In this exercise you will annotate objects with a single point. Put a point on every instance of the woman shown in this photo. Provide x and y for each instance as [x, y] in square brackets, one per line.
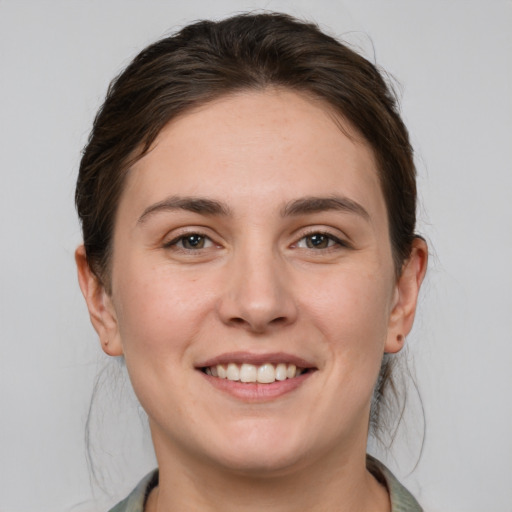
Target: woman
[247, 199]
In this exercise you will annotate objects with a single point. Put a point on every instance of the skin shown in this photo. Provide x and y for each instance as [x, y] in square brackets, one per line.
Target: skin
[258, 286]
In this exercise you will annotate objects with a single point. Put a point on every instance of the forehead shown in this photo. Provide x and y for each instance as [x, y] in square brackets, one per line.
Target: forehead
[270, 146]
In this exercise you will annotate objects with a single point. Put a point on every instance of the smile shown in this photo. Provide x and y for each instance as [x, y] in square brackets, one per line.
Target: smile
[266, 373]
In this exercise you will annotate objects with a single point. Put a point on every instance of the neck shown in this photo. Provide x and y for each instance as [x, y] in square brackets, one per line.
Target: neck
[336, 482]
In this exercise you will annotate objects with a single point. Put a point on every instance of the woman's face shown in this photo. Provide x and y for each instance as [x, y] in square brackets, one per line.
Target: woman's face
[253, 240]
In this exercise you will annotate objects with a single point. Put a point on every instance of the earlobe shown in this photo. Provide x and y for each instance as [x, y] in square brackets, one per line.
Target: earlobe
[406, 296]
[394, 345]
[99, 304]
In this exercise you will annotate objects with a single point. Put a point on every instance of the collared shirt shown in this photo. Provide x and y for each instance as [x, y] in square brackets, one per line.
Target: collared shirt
[401, 499]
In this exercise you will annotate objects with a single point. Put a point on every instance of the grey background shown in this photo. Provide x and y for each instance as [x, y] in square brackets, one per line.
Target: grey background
[453, 59]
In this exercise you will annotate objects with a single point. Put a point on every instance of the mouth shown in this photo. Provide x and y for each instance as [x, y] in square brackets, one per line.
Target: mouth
[266, 373]
[257, 377]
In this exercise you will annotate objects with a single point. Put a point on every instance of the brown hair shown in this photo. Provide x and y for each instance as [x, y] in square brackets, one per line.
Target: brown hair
[207, 60]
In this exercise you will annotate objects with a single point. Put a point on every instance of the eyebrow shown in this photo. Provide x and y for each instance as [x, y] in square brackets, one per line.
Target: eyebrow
[313, 204]
[302, 206]
[199, 205]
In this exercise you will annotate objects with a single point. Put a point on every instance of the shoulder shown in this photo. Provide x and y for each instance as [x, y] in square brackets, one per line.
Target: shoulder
[401, 499]
[137, 498]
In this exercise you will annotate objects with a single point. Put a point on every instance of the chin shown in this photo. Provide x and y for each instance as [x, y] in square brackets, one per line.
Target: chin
[260, 449]
[262, 462]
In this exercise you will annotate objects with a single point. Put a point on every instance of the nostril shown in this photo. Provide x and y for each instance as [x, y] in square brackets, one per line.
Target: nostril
[279, 320]
[257, 326]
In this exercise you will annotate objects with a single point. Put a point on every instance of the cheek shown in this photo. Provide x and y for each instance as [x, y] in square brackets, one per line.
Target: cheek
[351, 308]
[159, 312]
[159, 317]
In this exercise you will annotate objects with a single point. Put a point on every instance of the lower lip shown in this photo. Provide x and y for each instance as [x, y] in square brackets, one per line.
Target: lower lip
[256, 392]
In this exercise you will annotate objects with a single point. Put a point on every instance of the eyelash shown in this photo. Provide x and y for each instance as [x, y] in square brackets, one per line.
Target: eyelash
[181, 238]
[333, 241]
[338, 243]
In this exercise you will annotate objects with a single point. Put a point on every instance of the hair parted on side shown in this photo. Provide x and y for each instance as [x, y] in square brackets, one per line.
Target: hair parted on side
[207, 60]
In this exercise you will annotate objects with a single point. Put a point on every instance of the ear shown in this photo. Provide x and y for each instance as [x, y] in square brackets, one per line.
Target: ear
[405, 299]
[99, 304]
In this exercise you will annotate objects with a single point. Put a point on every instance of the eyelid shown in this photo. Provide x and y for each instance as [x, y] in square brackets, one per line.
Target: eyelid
[188, 231]
[181, 240]
[340, 241]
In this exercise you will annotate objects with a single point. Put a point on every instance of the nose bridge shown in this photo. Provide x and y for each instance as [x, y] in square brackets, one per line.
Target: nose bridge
[258, 293]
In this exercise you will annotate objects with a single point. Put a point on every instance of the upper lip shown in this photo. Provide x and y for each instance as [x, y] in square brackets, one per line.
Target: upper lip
[256, 359]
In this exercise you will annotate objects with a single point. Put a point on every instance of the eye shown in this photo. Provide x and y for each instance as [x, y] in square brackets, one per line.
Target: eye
[191, 242]
[319, 241]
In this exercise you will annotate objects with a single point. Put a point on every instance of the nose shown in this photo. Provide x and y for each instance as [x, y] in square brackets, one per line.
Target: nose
[257, 292]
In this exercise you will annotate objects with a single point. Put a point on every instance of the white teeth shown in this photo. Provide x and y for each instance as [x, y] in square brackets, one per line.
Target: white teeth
[263, 374]
[291, 370]
[221, 372]
[281, 371]
[248, 373]
[266, 373]
[233, 373]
